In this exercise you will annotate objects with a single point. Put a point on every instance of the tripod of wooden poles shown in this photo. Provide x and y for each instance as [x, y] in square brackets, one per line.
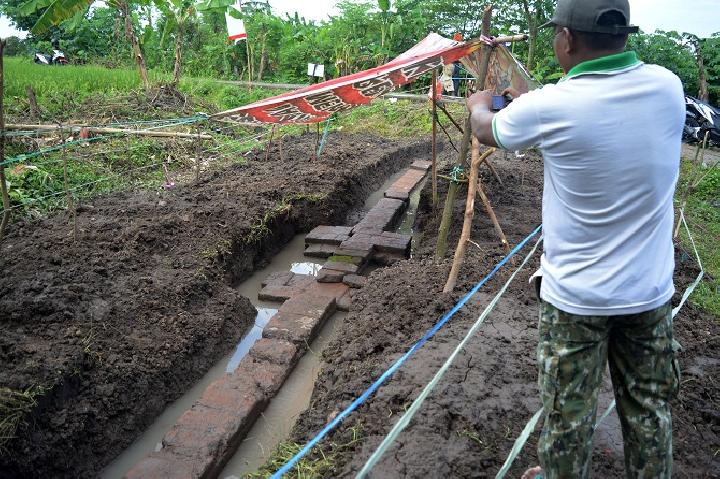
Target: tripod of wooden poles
[474, 182]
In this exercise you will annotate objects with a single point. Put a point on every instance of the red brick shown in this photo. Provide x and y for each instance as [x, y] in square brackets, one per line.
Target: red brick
[320, 250]
[421, 165]
[290, 327]
[309, 305]
[341, 266]
[327, 290]
[330, 276]
[328, 234]
[275, 351]
[226, 394]
[265, 376]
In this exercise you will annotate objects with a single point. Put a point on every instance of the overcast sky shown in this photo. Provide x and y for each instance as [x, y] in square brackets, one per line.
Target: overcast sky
[702, 18]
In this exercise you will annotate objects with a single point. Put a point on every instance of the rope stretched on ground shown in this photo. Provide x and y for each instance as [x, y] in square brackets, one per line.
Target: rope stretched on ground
[418, 402]
[530, 426]
[374, 386]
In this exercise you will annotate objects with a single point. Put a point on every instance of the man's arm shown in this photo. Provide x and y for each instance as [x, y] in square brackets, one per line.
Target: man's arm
[481, 116]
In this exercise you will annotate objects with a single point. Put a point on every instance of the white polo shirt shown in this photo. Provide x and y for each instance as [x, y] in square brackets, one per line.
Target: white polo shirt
[610, 135]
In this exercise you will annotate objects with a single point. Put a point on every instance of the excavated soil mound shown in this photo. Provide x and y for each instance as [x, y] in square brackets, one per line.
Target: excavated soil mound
[108, 329]
[470, 421]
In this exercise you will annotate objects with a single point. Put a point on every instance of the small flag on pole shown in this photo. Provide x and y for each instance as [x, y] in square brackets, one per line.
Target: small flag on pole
[235, 26]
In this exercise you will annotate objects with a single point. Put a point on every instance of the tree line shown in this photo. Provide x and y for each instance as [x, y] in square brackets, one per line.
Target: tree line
[189, 36]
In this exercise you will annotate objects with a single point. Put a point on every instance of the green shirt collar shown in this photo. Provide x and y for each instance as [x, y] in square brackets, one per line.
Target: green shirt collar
[606, 65]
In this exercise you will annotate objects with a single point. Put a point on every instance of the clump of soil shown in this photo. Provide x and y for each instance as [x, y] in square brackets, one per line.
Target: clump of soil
[122, 321]
[468, 424]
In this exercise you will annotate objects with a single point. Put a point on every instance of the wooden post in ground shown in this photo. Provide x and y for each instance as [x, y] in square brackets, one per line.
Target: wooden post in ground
[469, 212]
[444, 231]
[66, 184]
[493, 218]
[197, 155]
[434, 139]
[3, 181]
[34, 108]
[267, 149]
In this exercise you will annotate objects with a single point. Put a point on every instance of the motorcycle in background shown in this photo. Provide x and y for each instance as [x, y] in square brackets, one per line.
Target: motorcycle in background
[57, 58]
[701, 119]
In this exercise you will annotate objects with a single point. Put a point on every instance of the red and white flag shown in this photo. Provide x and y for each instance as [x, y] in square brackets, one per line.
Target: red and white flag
[235, 26]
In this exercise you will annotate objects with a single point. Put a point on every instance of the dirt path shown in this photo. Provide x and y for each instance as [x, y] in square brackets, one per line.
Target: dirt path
[469, 423]
[114, 326]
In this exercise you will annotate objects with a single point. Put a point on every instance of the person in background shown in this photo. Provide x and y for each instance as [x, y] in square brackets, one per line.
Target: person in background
[607, 268]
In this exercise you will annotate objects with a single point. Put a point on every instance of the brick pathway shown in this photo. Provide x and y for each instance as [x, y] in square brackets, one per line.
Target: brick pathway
[204, 437]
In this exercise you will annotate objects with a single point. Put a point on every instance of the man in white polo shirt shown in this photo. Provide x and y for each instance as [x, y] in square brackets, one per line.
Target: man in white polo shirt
[610, 135]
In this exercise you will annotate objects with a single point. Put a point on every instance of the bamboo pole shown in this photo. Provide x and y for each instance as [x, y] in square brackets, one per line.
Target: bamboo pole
[493, 218]
[444, 230]
[512, 38]
[469, 213]
[73, 129]
[447, 113]
[3, 181]
[492, 169]
[434, 140]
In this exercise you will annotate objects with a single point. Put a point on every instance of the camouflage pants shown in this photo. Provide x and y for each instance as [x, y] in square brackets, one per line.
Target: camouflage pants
[572, 355]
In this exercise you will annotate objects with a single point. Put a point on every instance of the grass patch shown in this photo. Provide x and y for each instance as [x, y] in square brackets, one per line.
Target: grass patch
[319, 463]
[344, 259]
[14, 405]
[702, 212]
[261, 229]
[401, 119]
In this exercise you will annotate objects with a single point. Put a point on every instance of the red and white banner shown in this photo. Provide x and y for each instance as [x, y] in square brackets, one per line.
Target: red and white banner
[235, 26]
[318, 102]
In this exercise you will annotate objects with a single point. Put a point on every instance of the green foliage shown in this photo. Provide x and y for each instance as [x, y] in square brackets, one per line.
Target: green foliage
[321, 462]
[702, 213]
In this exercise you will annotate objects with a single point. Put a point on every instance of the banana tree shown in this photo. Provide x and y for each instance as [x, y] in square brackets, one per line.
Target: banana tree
[55, 12]
[177, 14]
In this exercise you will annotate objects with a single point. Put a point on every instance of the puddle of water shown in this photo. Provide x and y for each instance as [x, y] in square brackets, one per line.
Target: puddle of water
[376, 196]
[290, 258]
[311, 269]
[261, 320]
[407, 225]
[275, 424]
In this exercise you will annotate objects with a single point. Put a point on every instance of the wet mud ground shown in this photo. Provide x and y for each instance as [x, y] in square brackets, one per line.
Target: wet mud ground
[112, 327]
[469, 423]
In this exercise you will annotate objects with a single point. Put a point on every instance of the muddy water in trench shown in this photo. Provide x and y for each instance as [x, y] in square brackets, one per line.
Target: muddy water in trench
[290, 258]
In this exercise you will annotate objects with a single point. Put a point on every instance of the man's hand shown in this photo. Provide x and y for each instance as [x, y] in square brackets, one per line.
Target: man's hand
[512, 92]
[481, 99]
[480, 107]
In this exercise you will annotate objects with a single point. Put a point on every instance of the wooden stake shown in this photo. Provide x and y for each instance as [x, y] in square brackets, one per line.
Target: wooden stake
[493, 218]
[267, 149]
[434, 139]
[197, 156]
[34, 109]
[447, 113]
[494, 172]
[444, 230]
[3, 181]
[66, 184]
[469, 212]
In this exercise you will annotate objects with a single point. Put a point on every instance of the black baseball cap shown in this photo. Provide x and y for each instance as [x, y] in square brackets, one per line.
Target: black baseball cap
[583, 16]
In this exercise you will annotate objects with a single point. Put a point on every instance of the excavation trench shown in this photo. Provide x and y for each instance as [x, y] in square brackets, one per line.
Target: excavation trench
[278, 418]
